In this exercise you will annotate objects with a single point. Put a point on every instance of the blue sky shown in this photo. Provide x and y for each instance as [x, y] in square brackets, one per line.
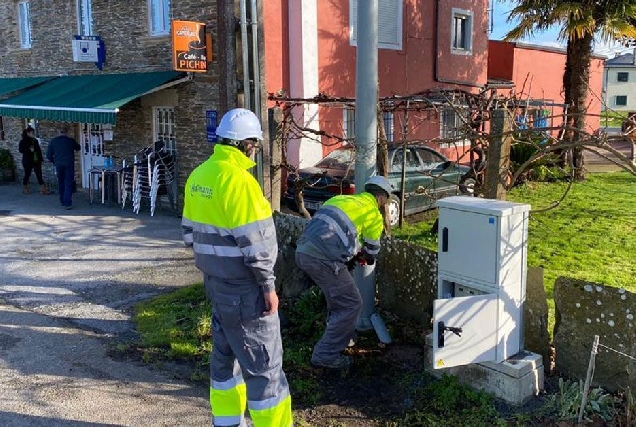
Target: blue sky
[545, 38]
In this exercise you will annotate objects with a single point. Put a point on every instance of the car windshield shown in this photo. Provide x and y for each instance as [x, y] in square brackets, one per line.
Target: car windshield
[339, 158]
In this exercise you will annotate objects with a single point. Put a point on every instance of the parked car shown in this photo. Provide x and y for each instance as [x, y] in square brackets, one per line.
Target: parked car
[429, 176]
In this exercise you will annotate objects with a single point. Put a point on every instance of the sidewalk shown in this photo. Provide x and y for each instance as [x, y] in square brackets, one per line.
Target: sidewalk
[68, 281]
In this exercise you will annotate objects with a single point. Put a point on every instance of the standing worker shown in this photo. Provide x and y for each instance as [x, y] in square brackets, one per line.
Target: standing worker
[61, 152]
[345, 229]
[31, 160]
[229, 223]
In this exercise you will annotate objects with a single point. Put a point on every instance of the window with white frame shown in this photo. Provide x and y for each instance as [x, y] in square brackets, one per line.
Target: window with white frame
[159, 19]
[622, 76]
[24, 22]
[164, 128]
[621, 100]
[349, 124]
[84, 17]
[389, 23]
[462, 31]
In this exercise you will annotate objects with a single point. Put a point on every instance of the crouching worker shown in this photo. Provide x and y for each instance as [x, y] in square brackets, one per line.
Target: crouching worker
[344, 228]
[229, 223]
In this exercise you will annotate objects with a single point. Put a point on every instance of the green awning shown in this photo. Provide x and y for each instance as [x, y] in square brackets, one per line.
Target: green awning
[94, 98]
[13, 84]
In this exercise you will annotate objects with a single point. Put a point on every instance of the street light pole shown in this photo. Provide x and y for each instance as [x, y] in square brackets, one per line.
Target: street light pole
[366, 134]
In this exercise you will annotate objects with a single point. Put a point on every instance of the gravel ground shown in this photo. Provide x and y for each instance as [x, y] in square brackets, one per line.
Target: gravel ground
[68, 281]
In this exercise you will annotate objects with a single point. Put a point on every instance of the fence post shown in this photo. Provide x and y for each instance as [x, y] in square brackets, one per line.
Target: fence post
[498, 157]
[588, 379]
[275, 151]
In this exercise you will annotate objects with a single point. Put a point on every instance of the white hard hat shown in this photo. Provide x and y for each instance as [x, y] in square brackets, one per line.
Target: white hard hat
[239, 124]
[381, 182]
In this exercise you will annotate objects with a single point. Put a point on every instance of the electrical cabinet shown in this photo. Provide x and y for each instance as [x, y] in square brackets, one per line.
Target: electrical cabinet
[482, 257]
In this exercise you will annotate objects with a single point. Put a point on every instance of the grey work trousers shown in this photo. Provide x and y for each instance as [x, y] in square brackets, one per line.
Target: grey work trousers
[245, 342]
[343, 302]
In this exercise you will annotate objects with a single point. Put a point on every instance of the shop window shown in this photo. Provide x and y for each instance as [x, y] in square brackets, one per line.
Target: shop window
[621, 100]
[462, 31]
[24, 22]
[389, 23]
[164, 128]
[159, 19]
[84, 17]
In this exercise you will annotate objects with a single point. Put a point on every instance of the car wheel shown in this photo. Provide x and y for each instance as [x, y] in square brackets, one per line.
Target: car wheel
[394, 210]
[467, 186]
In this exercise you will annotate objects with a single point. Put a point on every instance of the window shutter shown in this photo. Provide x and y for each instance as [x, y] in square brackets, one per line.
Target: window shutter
[389, 23]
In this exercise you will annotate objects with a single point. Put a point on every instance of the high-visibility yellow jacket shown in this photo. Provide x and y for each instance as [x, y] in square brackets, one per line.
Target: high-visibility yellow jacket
[342, 227]
[228, 221]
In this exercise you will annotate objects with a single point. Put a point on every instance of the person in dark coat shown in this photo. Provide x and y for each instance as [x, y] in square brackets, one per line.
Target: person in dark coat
[61, 152]
[31, 160]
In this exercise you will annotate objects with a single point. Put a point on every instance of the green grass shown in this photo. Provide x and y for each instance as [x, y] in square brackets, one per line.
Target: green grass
[176, 326]
[613, 118]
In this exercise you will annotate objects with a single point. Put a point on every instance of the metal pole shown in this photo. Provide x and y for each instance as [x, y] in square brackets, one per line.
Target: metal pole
[588, 379]
[366, 135]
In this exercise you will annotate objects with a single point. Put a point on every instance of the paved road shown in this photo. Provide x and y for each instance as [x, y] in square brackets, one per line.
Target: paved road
[68, 280]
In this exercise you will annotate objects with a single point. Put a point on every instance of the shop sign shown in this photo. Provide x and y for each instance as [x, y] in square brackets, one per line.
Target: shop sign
[190, 49]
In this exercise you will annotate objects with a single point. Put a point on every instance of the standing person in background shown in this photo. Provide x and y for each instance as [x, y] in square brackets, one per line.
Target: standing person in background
[228, 222]
[345, 229]
[31, 160]
[61, 152]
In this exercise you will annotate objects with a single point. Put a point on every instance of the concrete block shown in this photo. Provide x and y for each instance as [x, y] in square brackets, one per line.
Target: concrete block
[516, 380]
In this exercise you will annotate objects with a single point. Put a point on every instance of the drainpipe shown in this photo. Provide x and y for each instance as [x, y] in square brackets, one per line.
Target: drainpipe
[436, 60]
[245, 53]
[257, 86]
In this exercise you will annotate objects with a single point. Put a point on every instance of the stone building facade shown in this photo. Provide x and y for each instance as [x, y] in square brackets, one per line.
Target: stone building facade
[126, 28]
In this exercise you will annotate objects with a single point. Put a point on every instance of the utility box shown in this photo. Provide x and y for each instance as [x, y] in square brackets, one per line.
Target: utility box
[482, 257]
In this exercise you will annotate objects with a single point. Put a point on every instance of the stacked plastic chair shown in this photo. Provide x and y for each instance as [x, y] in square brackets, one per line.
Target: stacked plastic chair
[152, 176]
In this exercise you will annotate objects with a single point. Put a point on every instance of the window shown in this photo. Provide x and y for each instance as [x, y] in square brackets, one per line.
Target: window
[462, 31]
[621, 100]
[389, 23]
[24, 22]
[164, 127]
[622, 76]
[451, 126]
[412, 164]
[349, 124]
[430, 159]
[84, 17]
[159, 17]
[2, 136]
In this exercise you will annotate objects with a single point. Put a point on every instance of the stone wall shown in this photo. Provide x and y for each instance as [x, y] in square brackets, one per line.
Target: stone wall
[585, 309]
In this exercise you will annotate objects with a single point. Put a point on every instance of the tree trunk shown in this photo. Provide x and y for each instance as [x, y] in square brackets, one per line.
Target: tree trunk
[575, 83]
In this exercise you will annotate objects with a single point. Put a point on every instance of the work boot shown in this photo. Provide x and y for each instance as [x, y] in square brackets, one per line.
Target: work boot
[339, 362]
[44, 191]
[25, 189]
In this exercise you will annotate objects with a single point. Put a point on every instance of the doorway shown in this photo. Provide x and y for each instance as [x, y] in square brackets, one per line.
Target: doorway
[92, 147]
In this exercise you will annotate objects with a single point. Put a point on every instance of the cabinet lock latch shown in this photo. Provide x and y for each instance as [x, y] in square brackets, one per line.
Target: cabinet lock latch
[441, 328]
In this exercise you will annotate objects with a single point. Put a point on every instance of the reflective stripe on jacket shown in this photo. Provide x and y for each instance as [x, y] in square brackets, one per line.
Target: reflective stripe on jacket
[228, 221]
[341, 227]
